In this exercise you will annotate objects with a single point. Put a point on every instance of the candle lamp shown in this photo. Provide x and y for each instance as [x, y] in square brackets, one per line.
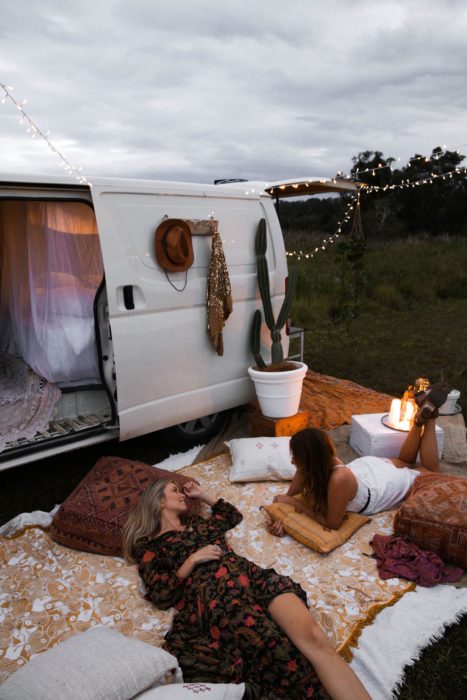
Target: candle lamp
[402, 411]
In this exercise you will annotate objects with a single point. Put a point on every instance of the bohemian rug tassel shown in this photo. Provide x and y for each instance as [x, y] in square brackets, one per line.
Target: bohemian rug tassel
[219, 296]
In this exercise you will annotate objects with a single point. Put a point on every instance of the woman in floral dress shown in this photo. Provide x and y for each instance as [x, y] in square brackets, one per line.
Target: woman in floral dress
[236, 622]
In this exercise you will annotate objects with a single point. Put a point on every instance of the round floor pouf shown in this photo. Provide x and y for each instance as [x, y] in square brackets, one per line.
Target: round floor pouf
[434, 516]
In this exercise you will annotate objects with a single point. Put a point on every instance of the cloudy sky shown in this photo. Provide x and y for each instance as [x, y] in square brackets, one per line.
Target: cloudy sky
[202, 89]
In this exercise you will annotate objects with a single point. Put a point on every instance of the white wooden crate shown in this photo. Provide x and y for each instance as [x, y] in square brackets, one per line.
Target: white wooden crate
[368, 436]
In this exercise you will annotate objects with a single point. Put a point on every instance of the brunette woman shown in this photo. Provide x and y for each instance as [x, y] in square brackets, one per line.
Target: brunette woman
[235, 621]
[327, 487]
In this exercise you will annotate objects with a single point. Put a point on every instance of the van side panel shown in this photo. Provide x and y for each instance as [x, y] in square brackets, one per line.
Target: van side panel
[167, 369]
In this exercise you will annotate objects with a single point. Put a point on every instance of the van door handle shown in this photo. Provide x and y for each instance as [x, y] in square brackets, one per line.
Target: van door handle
[128, 296]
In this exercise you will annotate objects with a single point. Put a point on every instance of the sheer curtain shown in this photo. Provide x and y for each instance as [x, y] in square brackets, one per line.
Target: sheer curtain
[51, 266]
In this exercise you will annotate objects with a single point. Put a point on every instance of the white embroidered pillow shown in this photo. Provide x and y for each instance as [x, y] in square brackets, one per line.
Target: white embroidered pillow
[261, 459]
[98, 663]
[214, 691]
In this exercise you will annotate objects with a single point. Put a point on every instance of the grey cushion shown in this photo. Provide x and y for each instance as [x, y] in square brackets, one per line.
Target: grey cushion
[99, 664]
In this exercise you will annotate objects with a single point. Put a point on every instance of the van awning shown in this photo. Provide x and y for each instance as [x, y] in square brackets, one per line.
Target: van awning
[309, 185]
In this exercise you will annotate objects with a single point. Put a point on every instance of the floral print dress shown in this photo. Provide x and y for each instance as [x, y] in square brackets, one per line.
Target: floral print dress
[223, 632]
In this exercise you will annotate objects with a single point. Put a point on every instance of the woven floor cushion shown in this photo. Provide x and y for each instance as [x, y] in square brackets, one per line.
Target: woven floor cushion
[434, 516]
[92, 517]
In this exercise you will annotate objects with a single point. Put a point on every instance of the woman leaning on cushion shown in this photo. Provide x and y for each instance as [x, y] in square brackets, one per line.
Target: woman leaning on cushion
[235, 622]
[328, 488]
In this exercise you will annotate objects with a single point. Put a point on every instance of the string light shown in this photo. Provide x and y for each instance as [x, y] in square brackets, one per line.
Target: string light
[426, 159]
[33, 130]
[414, 183]
[326, 242]
[368, 189]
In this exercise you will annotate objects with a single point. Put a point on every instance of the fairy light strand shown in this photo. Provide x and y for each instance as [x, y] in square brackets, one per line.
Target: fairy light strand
[369, 189]
[426, 159]
[415, 183]
[329, 240]
[33, 130]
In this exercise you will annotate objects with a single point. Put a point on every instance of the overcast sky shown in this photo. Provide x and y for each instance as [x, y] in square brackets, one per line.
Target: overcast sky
[203, 89]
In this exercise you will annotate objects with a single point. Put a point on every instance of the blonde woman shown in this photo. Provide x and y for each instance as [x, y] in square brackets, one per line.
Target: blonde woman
[235, 621]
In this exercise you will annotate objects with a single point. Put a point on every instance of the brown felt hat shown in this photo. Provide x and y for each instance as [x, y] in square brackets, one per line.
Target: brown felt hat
[174, 248]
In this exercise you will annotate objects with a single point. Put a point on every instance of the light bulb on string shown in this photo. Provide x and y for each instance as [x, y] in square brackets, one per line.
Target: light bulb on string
[34, 130]
[375, 188]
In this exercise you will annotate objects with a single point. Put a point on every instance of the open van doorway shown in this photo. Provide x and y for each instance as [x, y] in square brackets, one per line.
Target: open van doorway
[50, 378]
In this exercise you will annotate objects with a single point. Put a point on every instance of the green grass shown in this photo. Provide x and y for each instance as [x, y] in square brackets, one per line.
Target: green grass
[409, 317]
[441, 672]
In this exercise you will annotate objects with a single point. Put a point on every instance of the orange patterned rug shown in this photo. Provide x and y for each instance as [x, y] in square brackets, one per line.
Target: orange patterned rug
[331, 401]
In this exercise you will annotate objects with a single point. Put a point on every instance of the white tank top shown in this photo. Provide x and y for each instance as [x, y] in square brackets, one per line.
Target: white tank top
[380, 484]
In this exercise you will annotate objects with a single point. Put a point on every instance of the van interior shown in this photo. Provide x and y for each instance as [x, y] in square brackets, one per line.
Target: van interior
[51, 275]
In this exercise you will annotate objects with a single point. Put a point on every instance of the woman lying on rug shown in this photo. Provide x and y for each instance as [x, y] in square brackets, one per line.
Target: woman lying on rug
[236, 622]
[368, 485]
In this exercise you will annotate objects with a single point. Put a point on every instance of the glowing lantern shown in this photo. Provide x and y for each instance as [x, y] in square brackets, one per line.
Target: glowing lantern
[403, 411]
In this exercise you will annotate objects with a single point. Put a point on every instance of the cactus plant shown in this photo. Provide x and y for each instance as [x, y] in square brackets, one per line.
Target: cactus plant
[275, 326]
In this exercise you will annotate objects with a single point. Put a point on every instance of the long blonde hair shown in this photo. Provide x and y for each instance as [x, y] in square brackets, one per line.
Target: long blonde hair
[144, 519]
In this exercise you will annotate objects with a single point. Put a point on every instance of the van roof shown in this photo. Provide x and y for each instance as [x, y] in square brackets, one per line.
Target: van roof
[166, 186]
[294, 187]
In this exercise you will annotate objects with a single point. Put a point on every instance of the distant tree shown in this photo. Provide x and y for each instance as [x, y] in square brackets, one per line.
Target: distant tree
[437, 208]
[312, 215]
[387, 211]
[380, 168]
[434, 209]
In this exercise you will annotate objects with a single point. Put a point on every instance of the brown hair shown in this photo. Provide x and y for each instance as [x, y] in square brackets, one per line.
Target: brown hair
[144, 519]
[314, 455]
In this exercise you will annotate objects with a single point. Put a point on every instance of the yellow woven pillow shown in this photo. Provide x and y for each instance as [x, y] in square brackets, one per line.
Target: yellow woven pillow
[309, 532]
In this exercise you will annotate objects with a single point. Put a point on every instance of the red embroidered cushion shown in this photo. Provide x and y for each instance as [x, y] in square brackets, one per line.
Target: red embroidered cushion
[434, 516]
[92, 517]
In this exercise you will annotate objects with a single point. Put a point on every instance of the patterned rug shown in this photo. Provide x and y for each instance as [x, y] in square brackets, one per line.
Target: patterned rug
[48, 592]
[27, 401]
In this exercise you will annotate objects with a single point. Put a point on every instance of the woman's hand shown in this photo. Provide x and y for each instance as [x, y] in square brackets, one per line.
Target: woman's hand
[193, 490]
[275, 527]
[211, 552]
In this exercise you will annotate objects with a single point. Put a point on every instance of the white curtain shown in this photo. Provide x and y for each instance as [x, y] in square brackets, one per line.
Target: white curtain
[51, 266]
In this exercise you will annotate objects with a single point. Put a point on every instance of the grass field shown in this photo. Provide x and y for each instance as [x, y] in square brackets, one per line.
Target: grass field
[406, 316]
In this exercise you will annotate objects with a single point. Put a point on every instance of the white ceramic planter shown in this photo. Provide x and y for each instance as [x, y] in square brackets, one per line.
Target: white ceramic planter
[279, 392]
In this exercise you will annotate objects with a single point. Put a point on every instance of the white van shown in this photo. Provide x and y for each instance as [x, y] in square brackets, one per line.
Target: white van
[97, 341]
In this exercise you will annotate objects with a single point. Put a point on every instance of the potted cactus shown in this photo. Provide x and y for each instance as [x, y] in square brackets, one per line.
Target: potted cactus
[278, 385]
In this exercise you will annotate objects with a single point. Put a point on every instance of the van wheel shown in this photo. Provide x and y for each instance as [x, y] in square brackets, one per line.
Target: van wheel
[197, 431]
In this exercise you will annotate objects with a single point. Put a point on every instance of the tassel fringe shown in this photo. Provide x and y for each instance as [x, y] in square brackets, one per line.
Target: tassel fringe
[344, 649]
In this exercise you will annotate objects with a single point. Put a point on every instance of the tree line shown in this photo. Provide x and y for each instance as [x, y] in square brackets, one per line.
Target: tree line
[435, 209]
